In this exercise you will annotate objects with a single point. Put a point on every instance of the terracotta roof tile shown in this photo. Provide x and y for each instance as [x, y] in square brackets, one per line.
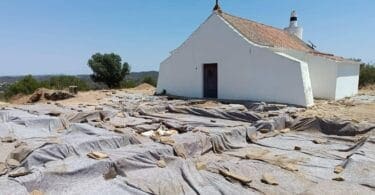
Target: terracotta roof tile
[266, 35]
[272, 37]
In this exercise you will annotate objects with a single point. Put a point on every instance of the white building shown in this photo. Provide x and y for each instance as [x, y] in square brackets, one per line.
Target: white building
[232, 58]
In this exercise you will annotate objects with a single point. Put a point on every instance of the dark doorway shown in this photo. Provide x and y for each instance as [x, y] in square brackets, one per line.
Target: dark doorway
[210, 80]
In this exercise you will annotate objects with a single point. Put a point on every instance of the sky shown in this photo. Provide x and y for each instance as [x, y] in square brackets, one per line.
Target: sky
[59, 36]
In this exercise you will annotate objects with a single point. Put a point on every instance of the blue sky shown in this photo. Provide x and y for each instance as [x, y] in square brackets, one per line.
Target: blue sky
[59, 36]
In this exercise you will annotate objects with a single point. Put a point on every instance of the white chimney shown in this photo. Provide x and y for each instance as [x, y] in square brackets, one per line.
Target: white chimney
[293, 26]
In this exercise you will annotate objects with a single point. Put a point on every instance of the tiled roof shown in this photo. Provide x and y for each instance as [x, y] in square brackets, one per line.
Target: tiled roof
[272, 37]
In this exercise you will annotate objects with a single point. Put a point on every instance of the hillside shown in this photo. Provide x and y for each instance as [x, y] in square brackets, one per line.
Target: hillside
[136, 76]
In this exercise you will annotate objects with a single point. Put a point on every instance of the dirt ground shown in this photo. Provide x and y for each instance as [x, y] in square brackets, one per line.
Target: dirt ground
[89, 97]
[357, 109]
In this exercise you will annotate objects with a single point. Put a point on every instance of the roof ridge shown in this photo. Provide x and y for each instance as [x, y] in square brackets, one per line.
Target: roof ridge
[252, 21]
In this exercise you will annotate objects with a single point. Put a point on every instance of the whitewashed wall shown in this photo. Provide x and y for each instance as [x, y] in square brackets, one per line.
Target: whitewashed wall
[245, 71]
[347, 80]
[329, 79]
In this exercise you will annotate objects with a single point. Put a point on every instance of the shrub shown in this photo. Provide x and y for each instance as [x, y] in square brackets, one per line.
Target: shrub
[128, 83]
[62, 82]
[108, 69]
[149, 80]
[367, 75]
[27, 85]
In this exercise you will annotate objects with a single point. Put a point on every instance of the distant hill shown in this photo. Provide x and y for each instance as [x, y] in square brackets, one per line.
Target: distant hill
[136, 76]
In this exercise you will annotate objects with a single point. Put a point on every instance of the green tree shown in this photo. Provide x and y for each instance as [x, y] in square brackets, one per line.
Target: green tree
[27, 85]
[367, 75]
[108, 69]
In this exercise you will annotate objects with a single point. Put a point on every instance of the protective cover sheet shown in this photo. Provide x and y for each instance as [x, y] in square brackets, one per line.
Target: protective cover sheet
[141, 144]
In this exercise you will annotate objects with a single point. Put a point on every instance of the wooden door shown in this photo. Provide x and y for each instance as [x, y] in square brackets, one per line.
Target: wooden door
[210, 80]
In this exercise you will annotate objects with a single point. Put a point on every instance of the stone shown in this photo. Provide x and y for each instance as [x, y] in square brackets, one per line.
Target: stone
[240, 178]
[57, 95]
[200, 166]
[12, 163]
[99, 108]
[97, 155]
[319, 141]
[21, 152]
[8, 139]
[338, 169]
[339, 178]
[111, 174]
[22, 171]
[180, 150]
[36, 192]
[290, 167]
[297, 148]
[167, 140]
[161, 163]
[269, 179]
[148, 133]
[54, 113]
[287, 130]
[3, 169]
[264, 131]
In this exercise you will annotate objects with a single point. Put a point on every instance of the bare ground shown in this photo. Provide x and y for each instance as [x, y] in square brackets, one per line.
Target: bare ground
[357, 109]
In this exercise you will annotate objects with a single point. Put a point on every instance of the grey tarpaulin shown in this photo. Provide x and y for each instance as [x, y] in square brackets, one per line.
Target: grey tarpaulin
[157, 146]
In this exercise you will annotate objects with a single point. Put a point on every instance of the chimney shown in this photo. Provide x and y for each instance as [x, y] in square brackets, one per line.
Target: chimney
[293, 26]
[217, 7]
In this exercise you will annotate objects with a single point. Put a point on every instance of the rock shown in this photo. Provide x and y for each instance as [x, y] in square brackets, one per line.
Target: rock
[36, 96]
[119, 131]
[12, 163]
[319, 141]
[57, 95]
[3, 169]
[97, 155]
[8, 139]
[20, 152]
[339, 178]
[297, 148]
[290, 167]
[99, 108]
[165, 132]
[287, 130]
[269, 179]
[200, 166]
[234, 176]
[36, 192]
[338, 169]
[54, 113]
[264, 131]
[161, 163]
[148, 133]
[167, 140]
[180, 150]
[22, 171]
[47, 94]
[120, 126]
[111, 174]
